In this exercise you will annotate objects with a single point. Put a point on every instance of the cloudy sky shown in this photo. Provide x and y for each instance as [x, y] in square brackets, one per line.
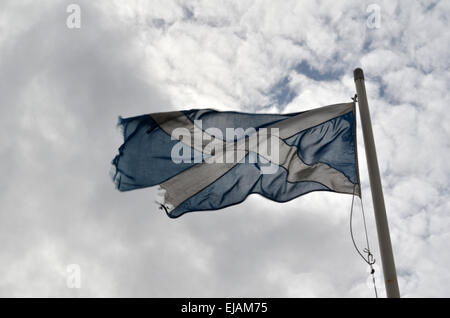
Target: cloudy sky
[63, 88]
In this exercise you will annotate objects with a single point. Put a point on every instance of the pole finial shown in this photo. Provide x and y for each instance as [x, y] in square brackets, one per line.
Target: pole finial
[358, 74]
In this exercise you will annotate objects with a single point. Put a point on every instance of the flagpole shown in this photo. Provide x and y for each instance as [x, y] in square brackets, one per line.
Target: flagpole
[384, 239]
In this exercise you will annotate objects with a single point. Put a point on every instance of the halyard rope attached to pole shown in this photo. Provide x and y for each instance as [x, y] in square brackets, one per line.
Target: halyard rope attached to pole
[370, 260]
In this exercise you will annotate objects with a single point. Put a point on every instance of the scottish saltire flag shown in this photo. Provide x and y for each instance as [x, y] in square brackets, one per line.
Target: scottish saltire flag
[205, 159]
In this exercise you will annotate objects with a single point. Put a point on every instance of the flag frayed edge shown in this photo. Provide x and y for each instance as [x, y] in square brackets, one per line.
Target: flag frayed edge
[114, 172]
[121, 124]
[164, 204]
[116, 175]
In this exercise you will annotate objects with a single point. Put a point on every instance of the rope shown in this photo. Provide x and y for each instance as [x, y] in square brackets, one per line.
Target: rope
[370, 260]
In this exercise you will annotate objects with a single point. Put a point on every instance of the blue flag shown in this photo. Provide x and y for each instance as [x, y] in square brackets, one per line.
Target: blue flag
[204, 159]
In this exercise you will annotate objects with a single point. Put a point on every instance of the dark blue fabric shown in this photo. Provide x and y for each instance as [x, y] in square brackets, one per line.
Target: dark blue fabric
[145, 158]
[332, 142]
[241, 181]
[223, 120]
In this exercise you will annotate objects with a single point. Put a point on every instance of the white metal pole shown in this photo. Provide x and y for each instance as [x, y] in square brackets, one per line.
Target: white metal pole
[384, 239]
